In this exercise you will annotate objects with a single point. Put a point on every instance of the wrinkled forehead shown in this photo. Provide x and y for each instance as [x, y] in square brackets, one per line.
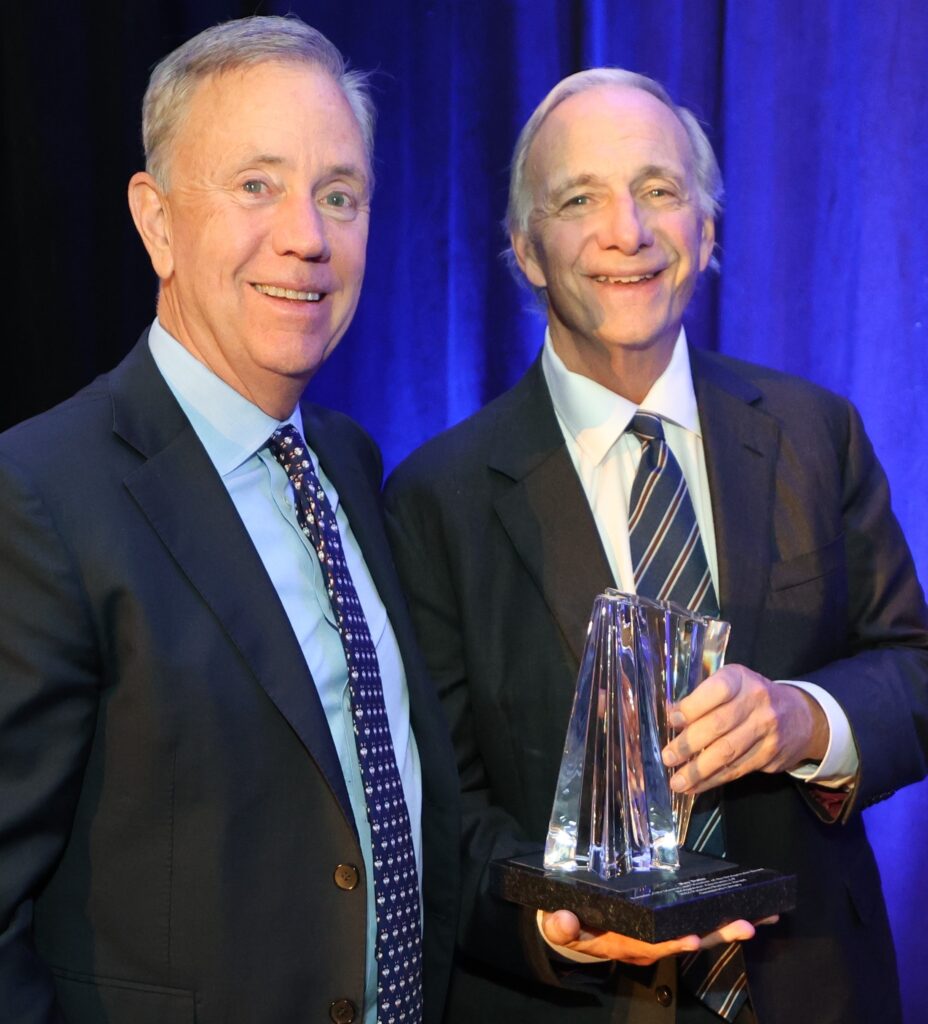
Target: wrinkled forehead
[608, 126]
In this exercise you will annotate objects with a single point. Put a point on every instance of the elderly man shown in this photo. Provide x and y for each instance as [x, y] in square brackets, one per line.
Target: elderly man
[508, 525]
[224, 782]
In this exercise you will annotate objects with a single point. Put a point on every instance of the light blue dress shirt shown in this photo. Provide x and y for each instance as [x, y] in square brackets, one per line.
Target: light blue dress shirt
[234, 433]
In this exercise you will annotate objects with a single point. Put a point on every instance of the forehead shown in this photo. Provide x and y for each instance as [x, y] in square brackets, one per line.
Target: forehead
[606, 130]
[283, 109]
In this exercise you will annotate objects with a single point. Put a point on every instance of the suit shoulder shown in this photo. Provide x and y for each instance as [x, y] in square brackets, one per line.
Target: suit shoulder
[782, 394]
[71, 423]
[462, 448]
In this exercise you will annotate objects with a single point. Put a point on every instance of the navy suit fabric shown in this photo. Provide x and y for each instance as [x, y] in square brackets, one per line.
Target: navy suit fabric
[172, 809]
[501, 558]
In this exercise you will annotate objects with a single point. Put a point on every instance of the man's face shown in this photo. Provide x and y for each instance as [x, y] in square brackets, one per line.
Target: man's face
[615, 237]
[266, 220]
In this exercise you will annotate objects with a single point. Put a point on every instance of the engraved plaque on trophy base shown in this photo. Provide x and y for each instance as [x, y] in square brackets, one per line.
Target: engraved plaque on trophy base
[696, 898]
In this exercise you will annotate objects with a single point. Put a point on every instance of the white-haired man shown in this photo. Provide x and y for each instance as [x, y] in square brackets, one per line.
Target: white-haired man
[224, 781]
[625, 458]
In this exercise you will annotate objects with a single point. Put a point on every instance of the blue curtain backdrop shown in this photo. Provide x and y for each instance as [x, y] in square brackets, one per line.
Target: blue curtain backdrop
[818, 110]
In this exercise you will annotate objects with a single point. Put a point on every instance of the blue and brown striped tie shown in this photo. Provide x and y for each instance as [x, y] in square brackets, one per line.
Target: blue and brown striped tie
[669, 564]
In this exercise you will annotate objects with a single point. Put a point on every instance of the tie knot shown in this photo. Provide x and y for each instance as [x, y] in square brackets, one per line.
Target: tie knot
[288, 447]
[647, 427]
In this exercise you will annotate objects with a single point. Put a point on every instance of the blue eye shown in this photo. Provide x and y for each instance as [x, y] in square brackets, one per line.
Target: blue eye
[253, 187]
[341, 200]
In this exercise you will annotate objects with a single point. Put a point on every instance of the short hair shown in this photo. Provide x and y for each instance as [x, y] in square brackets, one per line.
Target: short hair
[709, 189]
[245, 42]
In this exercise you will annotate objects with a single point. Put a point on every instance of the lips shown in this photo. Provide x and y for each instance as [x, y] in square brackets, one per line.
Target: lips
[276, 292]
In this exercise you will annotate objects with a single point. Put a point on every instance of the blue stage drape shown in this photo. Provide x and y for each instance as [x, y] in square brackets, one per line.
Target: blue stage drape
[818, 110]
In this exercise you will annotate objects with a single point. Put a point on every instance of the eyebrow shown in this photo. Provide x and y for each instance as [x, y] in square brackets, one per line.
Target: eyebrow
[336, 171]
[577, 181]
[677, 174]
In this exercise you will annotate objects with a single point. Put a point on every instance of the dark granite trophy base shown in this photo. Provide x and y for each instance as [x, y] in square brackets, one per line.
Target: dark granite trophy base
[702, 894]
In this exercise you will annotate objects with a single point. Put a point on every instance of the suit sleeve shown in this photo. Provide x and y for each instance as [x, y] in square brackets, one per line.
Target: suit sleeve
[491, 930]
[48, 698]
[882, 684]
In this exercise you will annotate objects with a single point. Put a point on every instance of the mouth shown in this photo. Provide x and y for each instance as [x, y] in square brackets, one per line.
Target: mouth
[629, 279]
[288, 293]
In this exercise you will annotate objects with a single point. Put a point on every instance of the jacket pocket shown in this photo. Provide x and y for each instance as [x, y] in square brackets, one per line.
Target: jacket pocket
[812, 565]
[88, 998]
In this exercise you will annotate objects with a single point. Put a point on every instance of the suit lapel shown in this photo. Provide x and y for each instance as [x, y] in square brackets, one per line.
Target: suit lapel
[544, 510]
[184, 500]
[740, 441]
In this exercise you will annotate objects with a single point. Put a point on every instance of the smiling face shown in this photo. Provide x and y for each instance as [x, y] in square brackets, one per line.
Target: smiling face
[615, 236]
[259, 240]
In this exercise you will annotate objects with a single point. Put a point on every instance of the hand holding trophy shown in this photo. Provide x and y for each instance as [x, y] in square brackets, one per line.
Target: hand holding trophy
[614, 852]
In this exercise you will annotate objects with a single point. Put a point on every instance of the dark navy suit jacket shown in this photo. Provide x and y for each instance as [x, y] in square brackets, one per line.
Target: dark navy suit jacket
[501, 558]
[172, 810]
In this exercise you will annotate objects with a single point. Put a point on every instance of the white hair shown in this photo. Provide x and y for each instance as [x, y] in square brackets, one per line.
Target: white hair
[237, 44]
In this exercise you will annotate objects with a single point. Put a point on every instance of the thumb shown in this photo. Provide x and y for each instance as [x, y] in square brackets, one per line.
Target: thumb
[561, 927]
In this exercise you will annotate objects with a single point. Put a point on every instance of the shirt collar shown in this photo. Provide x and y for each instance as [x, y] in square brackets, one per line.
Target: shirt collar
[596, 417]
[230, 428]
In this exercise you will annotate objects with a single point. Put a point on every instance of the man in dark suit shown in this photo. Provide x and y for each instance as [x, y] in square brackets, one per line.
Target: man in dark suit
[508, 525]
[224, 782]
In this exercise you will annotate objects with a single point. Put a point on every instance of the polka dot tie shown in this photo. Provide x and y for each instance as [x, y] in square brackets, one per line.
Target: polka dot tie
[396, 882]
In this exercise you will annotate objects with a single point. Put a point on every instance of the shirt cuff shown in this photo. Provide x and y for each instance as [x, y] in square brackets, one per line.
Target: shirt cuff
[841, 764]
[565, 951]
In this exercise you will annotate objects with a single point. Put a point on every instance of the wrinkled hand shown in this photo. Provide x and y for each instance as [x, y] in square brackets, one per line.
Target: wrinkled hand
[563, 928]
[736, 722]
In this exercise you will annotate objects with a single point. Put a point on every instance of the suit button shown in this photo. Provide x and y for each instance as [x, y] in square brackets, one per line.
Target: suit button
[342, 1011]
[346, 876]
[664, 995]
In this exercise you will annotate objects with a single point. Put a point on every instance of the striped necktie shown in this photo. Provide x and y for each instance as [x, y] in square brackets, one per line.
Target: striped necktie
[396, 883]
[669, 564]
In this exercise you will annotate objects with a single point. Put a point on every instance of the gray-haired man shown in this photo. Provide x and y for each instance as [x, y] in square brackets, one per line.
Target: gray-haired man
[506, 527]
[224, 781]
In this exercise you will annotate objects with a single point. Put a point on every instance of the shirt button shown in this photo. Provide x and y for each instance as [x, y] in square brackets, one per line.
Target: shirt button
[342, 1011]
[664, 995]
[347, 877]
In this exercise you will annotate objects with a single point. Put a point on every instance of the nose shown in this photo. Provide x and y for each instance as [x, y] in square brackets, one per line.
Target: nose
[301, 230]
[626, 227]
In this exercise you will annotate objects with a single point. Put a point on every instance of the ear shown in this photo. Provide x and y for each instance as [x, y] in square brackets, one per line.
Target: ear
[152, 221]
[527, 258]
[707, 243]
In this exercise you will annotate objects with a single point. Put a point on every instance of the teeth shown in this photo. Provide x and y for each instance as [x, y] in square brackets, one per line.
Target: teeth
[288, 293]
[602, 279]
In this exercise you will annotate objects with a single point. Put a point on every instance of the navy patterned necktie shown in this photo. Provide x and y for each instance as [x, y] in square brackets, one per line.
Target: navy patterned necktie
[396, 883]
[669, 564]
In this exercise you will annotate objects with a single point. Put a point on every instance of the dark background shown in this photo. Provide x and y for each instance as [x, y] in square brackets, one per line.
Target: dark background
[818, 110]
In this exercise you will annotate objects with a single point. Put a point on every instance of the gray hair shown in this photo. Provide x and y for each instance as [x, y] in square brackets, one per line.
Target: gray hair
[237, 44]
[709, 188]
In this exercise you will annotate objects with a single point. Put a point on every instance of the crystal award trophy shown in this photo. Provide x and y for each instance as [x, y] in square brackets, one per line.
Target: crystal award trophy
[614, 851]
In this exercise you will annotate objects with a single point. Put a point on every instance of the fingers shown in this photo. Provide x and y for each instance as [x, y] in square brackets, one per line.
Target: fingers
[563, 928]
[612, 946]
[734, 931]
[738, 722]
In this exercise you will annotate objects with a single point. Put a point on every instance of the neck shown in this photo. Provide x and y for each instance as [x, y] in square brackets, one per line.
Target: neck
[627, 370]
